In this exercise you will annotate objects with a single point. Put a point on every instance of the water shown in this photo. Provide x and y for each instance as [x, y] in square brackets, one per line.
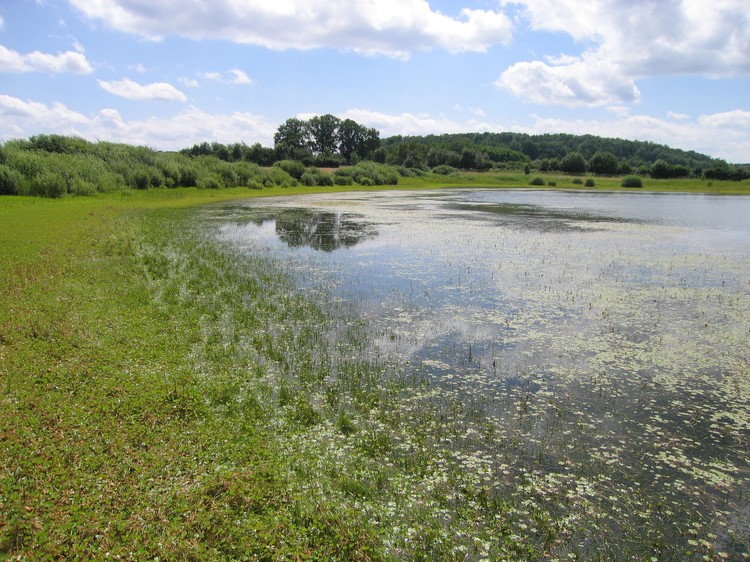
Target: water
[601, 330]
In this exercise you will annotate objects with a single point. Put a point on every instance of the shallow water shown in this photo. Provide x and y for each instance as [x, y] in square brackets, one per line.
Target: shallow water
[626, 313]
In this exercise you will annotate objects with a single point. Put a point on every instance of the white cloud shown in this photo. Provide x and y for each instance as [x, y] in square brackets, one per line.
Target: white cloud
[405, 123]
[128, 89]
[240, 77]
[188, 82]
[722, 135]
[677, 116]
[22, 119]
[69, 62]
[623, 41]
[234, 76]
[394, 28]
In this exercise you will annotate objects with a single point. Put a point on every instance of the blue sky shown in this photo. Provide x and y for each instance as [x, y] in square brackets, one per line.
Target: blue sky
[171, 73]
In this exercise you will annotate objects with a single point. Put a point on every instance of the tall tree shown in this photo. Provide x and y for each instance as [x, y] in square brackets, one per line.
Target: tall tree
[291, 139]
[323, 134]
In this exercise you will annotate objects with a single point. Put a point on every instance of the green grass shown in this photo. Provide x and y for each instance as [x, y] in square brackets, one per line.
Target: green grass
[144, 413]
[113, 438]
[518, 179]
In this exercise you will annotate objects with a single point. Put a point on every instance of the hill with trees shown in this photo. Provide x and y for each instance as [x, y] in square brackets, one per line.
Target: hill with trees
[573, 154]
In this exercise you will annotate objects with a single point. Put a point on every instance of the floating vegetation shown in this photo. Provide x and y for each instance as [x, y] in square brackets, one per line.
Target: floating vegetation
[489, 375]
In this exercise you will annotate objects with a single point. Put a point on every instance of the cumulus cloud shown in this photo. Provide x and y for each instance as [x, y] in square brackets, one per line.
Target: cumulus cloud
[624, 41]
[22, 119]
[393, 28]
[68, 62]
[127, 88]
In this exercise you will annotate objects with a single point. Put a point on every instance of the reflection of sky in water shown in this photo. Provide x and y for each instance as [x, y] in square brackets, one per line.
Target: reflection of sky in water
[626, 313]
[475, 273]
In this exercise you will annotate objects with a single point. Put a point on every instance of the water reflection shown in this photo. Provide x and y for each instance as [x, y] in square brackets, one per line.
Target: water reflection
[605, 334]
[320, 230]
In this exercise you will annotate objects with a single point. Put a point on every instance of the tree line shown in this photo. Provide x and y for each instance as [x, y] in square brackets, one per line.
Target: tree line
[572, 154]
[55, 165]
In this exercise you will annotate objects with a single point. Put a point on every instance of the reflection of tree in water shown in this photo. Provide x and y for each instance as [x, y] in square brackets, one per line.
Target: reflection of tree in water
[321, 230]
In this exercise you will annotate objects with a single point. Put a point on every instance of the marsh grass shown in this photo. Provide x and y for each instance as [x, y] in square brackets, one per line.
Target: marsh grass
[166, 395]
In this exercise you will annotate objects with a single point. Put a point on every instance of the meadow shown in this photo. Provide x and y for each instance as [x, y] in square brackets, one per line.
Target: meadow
[167, 396]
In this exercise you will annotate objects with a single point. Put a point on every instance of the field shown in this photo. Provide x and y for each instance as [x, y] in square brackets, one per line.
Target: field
[161, 396]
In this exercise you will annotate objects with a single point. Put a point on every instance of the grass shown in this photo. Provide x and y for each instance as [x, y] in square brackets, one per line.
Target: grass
[113, 442]
[162, 397]
[562, 181]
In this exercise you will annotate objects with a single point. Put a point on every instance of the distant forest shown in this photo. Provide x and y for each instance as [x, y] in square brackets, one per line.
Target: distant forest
[325, 150]
[573, 154]
[328, 141]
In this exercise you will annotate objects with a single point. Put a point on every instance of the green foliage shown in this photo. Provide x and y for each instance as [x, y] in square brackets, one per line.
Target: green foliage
[49, 184]
[604, 163]
[10, 180]
[379, 174]
[325, 140]
[294, 168]
[537, 181]
[577, 181]
[631, 181]
[444, 170]
[573, 163]
[589, 182]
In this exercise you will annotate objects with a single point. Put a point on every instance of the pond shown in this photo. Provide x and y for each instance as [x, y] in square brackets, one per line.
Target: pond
[596, 344]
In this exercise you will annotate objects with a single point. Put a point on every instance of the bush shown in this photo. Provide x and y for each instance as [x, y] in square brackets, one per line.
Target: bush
[308, 179]
[537, 181]
[49, 184]
[294, 168]
[632, 181]
[551, 183]
[577, 181]
[211, 181]
[10, 181]
[444, 170]
[590, 182]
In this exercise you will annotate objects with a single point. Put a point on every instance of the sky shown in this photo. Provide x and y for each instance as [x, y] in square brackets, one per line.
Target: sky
[172, 73]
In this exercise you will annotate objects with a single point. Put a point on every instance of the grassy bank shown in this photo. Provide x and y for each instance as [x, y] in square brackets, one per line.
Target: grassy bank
[114, 440]
[563, 181]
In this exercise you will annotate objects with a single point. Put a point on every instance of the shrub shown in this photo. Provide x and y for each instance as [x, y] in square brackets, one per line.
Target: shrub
[537, 181]
[632, 181]
[49, 184]
[552, 183]
[364, 180]
[577, 181]
[308, 179]
[589, 182]
[444, 170]
[294, 168]
[10, 181]
[211, 181]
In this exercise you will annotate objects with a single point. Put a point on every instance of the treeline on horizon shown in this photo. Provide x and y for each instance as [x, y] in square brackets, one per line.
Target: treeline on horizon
[56, 165]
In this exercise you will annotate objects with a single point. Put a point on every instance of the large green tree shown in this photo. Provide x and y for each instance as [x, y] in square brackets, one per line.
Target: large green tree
[323, 134]
[291, 139]
[604, 163]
